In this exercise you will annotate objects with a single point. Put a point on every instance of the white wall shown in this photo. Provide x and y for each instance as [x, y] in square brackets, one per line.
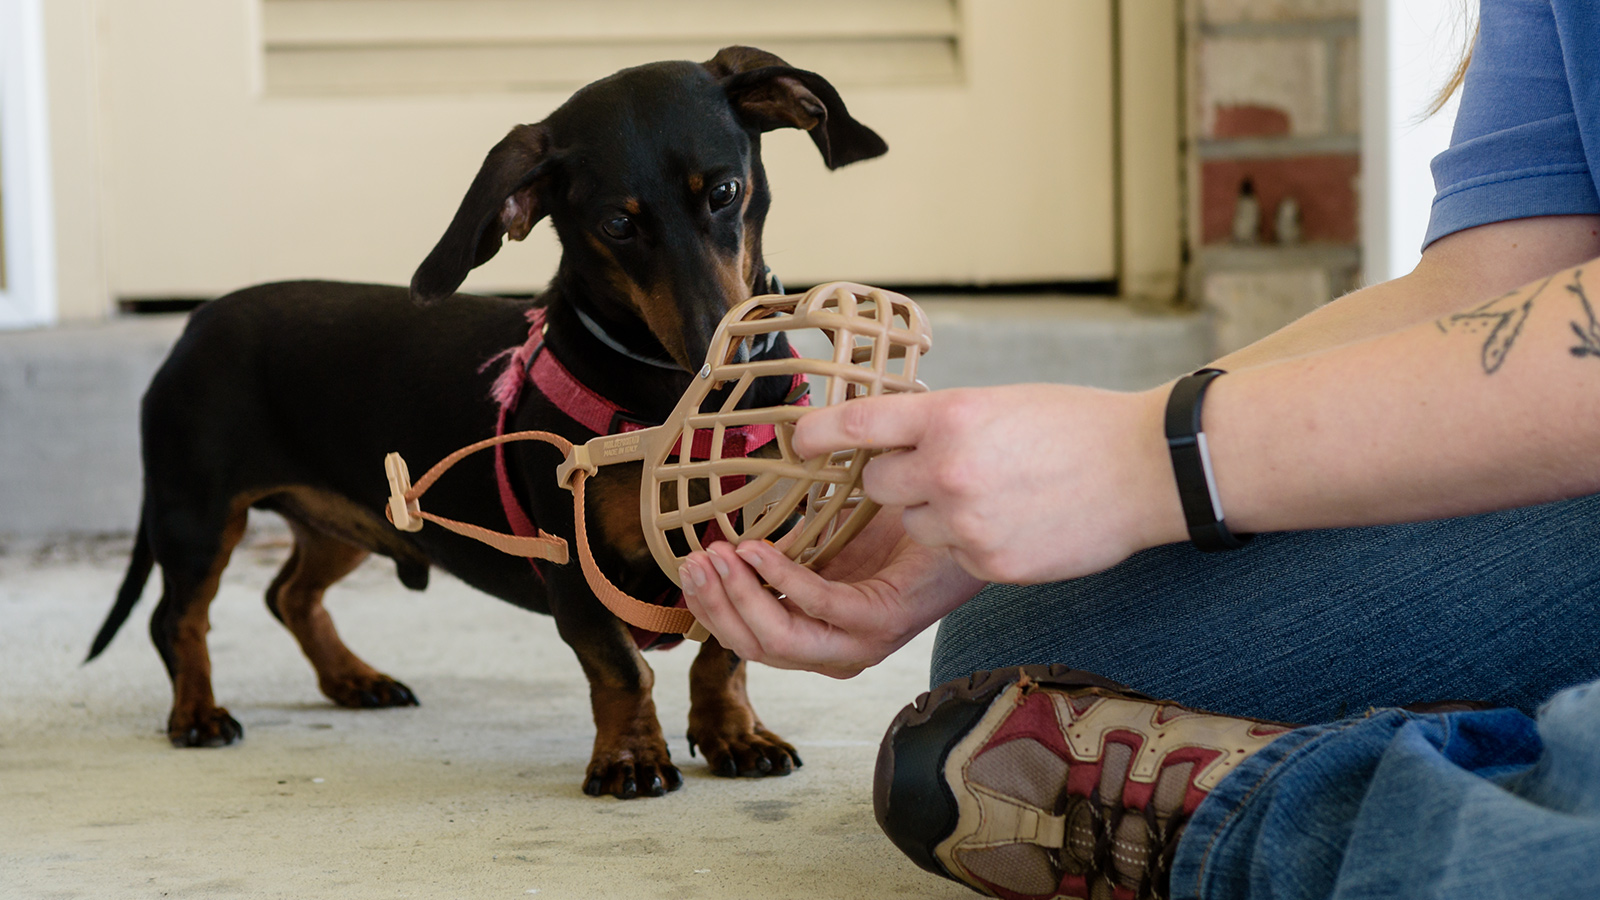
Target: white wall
[1409, 50]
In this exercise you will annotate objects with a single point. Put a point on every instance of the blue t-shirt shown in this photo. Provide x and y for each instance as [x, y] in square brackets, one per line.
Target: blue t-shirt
[1527, 137]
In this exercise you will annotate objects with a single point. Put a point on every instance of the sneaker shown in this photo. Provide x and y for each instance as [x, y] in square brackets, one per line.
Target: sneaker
[1043, 782]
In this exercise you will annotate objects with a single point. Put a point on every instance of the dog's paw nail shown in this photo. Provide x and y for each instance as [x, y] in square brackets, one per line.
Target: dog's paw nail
[657, 786]
[727, 769]
[764, 766]
[692, 754]
[674, 778]
[592, 787]
[796, 757]
[630, 789]
[368, 699]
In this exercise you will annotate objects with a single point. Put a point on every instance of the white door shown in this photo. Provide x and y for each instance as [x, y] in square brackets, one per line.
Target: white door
[246, 140]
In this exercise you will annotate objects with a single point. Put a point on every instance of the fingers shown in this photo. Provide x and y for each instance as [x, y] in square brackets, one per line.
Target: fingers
[927, 527]
[806, 590]
[899, 478]
[726, 594]
[899, 420]
[706, 593]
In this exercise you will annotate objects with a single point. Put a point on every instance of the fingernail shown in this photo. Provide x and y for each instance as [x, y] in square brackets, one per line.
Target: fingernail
[699, 575]
[685, 580]
[749, 554]
[719, 565]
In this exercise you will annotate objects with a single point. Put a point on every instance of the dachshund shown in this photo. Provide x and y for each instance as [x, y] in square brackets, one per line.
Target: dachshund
[287, 396]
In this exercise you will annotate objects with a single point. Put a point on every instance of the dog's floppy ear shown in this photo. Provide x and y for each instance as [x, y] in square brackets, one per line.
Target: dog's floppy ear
[769, 93]
[502, 201]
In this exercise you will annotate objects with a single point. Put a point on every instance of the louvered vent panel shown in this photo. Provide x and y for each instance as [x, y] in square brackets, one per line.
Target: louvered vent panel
[430, 46]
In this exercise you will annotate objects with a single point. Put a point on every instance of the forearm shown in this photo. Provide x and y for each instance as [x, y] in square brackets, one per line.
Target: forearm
[1462, 269]
[1496, 405]
[1381, 309]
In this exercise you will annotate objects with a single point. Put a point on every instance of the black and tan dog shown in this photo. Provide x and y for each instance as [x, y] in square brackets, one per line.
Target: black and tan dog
[287, 396]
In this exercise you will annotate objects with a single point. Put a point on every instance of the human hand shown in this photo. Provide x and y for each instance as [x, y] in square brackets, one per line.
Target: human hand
[879, 592]
[1021, 484]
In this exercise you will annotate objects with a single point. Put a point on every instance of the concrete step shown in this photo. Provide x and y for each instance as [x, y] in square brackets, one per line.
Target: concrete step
[69, 423]
[69, 396]
[1068, 340]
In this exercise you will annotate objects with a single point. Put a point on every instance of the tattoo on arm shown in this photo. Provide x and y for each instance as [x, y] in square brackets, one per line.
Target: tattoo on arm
[1588, 335]
[1503, 318]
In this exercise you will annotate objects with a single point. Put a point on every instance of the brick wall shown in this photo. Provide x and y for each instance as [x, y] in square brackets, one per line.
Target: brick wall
[1275, 100]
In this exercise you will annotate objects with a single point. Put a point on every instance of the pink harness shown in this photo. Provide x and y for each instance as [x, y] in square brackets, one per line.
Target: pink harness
[598, 415]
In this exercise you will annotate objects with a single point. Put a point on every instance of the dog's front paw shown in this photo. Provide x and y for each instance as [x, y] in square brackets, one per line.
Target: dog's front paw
[626, 774]
[752, 752]
[368, 692]
[209, 728]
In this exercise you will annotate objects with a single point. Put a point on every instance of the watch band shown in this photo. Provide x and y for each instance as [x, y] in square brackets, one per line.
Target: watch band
[1191, 465]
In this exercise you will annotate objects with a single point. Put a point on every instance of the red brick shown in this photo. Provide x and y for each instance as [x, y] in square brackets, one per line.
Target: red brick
[1247, 120]
[1325, 187]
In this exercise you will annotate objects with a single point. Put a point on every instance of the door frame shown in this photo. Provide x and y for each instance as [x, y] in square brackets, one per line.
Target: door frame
[1408, 51]
[1149, 119]
[28, 294]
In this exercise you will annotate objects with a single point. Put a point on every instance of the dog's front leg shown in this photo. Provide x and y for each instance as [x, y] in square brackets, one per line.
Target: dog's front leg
[724, 725]
[630, 754]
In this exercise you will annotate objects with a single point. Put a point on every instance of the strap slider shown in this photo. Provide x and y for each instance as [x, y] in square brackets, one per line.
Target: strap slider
[404, 513]
[602, 451]
[577, 460]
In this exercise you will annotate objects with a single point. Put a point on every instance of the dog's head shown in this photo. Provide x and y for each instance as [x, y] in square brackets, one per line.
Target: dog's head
[653, 180]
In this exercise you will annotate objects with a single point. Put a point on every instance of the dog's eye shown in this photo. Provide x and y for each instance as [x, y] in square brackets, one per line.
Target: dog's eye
[620, 228]
[723, 194]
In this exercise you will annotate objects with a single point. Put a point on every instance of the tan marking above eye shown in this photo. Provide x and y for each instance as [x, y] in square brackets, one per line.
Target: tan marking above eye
[697, 183]
[632, 206]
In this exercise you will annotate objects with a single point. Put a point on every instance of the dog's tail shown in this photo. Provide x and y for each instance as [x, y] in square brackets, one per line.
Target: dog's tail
[132, 589]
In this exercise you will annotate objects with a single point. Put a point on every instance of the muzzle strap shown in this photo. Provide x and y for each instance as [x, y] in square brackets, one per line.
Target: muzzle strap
[405, 511]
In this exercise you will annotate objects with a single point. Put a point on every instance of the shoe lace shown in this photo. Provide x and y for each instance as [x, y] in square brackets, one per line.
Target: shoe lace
[1105, 822]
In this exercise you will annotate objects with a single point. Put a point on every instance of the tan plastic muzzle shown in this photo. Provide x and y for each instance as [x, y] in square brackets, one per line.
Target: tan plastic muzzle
[689, 483]
[877, 338]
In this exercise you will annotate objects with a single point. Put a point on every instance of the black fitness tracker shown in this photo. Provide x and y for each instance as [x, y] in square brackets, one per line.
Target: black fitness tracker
[1191, 465]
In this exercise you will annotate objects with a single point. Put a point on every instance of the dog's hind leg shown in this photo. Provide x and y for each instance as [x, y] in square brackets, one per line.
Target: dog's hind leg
[179, 627]
[724, 725]
[295, 597]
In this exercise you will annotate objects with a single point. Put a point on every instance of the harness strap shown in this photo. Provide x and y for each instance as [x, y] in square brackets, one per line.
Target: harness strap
[663, 619]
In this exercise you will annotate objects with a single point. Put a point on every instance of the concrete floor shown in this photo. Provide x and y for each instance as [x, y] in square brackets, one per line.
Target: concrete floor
[474, 794]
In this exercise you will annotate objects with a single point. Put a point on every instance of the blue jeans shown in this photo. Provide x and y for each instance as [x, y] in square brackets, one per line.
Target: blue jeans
[1318, 626]
[1465, 806]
